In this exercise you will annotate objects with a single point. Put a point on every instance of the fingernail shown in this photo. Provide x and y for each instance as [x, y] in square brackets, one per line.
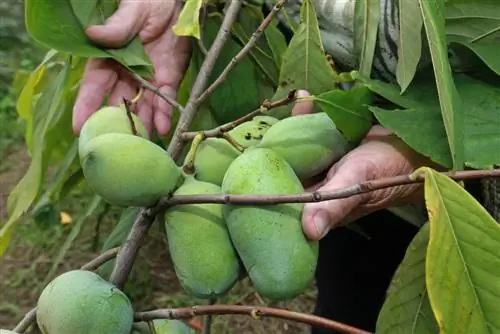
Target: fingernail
[321, 222]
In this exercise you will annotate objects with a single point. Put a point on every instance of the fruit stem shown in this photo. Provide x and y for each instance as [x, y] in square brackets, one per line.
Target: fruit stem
[126, 103]
[138, 96]
[232, 141]
[188, 166]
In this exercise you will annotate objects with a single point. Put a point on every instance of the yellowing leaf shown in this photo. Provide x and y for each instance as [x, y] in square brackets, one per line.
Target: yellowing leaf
[188, 23]
[463, 259]
[65, 218]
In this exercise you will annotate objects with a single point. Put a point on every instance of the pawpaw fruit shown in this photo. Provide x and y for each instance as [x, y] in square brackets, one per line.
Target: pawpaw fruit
[269, 239]
[128, 170]
[110, 119]
[310, 143]
[250, 133]
[81, 302]
[213, 157]
[6, 331]
[201, 249]
[162, 326]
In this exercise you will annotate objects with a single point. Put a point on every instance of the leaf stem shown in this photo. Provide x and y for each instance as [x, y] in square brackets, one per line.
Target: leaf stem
[265, 106]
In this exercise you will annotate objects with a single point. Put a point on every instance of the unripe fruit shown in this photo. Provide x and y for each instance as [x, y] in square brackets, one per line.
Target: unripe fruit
[128, 170]
[81, 302]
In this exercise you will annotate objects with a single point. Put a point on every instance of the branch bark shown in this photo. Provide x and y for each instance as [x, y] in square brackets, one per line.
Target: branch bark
[256, 312]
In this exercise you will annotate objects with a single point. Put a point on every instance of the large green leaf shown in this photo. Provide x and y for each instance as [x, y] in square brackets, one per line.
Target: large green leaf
[60, 25]
[421, 127]
[305, 65]
[409, 42]
[451, 106]
[366, 20]
[462, 260]
[406, 309]
[348, 110]
[467, 32]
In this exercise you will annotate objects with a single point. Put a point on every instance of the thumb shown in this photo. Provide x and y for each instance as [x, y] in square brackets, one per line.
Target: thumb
[318, 218]
[120, 27]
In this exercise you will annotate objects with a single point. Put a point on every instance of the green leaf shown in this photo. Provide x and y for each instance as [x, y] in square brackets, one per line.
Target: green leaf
[409, 43]
[68, 34]
[366, 19]
[458, 9]
[451, 105]
[479, 37]
[27, 190]
[462, 260]
[305, 65]
[188, 23]
[348, 110]
[238, 94]
[421, 125]
[406, 309]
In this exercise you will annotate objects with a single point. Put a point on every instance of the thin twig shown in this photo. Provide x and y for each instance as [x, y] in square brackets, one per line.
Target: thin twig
[30, 317]
[321, 196]
[256, 312]
[149, 86]
[220, 130]
[243, 52]
[207, 321]
[187, 117]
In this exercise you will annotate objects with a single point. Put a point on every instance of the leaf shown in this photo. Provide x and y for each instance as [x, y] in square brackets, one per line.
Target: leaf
[68, 34]
[409, 43]
[305, 65]
[457, 9]
[26, 191]
[348, 110]
[468, 32]
[188, 23]
[238, 94]
[406, 309]
[421, 125]
[451, 108]
[366, 20]
[462, 260]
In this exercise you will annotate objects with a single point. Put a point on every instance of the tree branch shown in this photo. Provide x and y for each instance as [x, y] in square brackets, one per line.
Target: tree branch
[149, 86]
[248, 46]
[220, 130]
[187, 117]
[321, 196]
[30, 317]
[256, 312]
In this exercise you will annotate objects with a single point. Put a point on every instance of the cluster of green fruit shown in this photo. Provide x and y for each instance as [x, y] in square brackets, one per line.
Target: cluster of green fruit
[81, 302]
[212, 244]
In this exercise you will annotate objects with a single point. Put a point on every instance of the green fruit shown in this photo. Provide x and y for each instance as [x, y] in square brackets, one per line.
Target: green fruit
[202, 253]
[162, 326]
[213, 157]
[264, 119]
[128, 170]
[279, 259]
[310, 143]
[6, 331]
[81, 302]
[109, 120]
[250, 133]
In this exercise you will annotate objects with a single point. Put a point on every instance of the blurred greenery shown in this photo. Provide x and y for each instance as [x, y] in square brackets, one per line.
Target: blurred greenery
[18, 53]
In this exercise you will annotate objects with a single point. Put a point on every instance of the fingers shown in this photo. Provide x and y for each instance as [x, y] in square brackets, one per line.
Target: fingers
[318, 218]
[302, 107]
[99, 77]
[122, 26]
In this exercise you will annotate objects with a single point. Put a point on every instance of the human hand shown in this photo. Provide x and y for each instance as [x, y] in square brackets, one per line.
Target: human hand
[153, 21]
[380, 154]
